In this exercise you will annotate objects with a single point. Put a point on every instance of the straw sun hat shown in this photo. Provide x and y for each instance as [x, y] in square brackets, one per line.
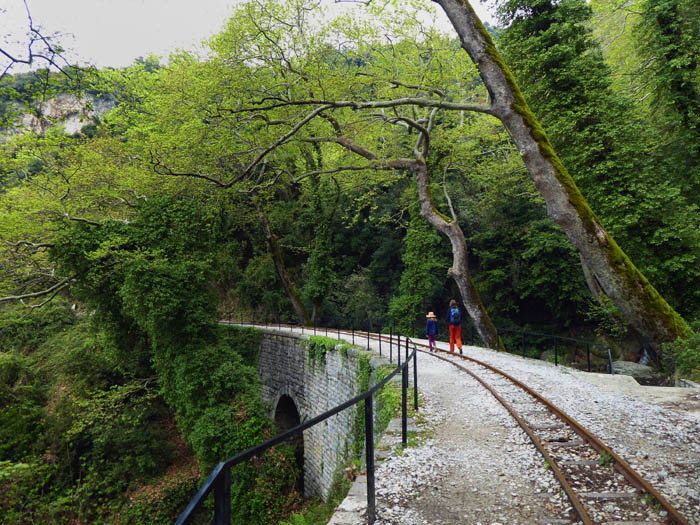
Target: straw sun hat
[431, 315]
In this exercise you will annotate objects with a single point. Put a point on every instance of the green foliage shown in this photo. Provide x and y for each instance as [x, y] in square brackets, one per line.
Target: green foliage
[683, 355]
[670, 34]
[85, 432]
[645, 207]
[388, 398]
[319, 270]
[605, 459]
[528, 270]
[363, 377]
[259, 286]
[21, 330]
[153, 255]
[425, 271]
[152, 276]
[609, 321]
[150, 509]
[246, 341]
[317, 347]
[362, 306]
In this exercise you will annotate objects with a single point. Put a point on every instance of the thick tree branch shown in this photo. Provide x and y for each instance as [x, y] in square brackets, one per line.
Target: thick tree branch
[52, 290]
[374, 104]
[283, 139]
[27, 244]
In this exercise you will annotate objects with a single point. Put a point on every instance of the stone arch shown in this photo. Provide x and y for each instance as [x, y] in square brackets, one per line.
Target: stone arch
[286, 417]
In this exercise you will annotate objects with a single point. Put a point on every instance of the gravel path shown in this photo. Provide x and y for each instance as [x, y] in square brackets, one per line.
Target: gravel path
[474, 465]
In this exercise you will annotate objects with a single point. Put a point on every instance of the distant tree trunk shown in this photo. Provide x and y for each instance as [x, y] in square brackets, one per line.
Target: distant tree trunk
[460, 263]
[289, 288]
[629, 290]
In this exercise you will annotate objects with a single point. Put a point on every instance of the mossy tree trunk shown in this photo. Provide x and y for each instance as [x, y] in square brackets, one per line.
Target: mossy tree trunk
[460, 262]
[619, 279]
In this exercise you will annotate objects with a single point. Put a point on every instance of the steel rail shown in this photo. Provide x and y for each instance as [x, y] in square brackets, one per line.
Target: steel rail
[558, 473]
[596, 443]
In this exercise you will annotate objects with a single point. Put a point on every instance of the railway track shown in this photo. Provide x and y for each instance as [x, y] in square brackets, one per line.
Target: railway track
[601, 486]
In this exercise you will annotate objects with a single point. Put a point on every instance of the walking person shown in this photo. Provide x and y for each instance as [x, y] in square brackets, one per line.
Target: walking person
[454, 317]
[431, 329]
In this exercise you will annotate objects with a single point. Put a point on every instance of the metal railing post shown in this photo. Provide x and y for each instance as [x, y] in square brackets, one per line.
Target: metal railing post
[522, 342]
[380, 342]
[406, 349]
[369, 453]
[391, 343]
[353, 332]
[398, 348]
[415, 377]
[404, 407]
[471, 332]
[588, 355]
[314, 326]
[222, 499]
[368, 339]
[556, 355]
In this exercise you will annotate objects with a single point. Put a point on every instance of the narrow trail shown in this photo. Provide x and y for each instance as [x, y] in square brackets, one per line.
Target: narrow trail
[490, 471]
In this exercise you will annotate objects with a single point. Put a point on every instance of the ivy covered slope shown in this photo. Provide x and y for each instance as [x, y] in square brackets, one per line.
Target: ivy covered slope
[126, 402]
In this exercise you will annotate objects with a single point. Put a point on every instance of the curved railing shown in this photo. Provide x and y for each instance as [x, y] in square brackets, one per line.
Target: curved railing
[470, 332]
[220, 478]
[556, 340]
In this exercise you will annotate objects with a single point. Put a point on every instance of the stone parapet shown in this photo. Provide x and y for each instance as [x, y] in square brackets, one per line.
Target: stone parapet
[315, 385]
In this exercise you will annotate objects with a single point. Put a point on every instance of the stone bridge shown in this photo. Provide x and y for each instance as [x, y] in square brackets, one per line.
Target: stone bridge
[300, 385]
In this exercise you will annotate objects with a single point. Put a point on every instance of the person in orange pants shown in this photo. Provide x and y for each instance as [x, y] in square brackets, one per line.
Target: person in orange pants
[454, 318]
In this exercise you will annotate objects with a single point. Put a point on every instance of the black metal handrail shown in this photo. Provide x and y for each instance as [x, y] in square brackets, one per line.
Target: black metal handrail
[220, 478]
[556, 338]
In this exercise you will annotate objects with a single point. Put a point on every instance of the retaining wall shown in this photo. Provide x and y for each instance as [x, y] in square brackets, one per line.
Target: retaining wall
[315, 386]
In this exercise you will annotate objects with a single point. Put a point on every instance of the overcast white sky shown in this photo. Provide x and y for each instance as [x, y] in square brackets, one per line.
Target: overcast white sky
[115, 32]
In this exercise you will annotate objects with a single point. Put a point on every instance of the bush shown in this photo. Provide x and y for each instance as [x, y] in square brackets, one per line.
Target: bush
[24, 331]
[683, 356]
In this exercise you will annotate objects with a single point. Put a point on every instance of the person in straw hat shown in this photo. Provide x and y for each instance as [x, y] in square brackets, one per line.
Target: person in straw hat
[431, 329]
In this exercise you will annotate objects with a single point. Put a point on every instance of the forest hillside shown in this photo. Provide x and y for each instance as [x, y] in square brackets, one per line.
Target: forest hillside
[355, 172]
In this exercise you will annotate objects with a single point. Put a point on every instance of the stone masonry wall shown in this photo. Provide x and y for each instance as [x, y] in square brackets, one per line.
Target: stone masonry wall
[285, 369]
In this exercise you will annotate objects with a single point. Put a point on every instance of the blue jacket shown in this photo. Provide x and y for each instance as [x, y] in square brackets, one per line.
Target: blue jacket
[431, 327]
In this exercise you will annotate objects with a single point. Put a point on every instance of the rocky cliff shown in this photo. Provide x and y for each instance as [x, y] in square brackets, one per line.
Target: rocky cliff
[73, 113]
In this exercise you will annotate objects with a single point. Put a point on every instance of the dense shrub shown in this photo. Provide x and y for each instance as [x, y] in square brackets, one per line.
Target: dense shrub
[683, 355]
